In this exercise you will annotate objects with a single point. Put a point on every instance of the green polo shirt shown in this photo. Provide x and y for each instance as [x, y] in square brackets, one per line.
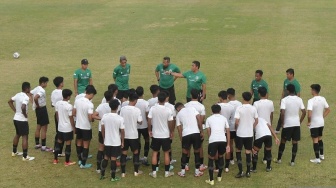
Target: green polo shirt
[121, 76]
[295, 83]
[166, 80]
[255, 85]
[194, 81]
[83, 79]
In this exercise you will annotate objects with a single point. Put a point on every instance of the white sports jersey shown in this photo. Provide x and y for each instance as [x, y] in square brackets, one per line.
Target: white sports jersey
[227, 110]
[56, 96]
[102, 109]
[317, 105]
[42, 99]
[83, 107]
[262, 129]
[131, 115]
[19, 99]
[292, 106]
[264, 108]
[152, 102]
[187, 118]
[217, 124]
[125, 103]
[160, 116]
[119, 107]
[246, 115]
[232, 120]
[64, 110]
[198, 106]
[112, 123]
[143, 106]
[171, 107]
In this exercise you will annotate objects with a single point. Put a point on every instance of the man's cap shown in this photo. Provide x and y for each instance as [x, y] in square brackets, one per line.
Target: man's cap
[123, 58]
[84, 62]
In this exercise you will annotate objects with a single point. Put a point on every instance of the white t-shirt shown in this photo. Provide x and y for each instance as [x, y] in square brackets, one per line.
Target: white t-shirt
[198, 106]
[246, 115]
[292, 106]
[317, 105]
[64, 110]
[171, 107]
[56, 96]
[160, 116]
[131, 115]
[262, 129]
[232, 120]
[125, 103]
[187, 118]
[152, 102]
[79, 96]
[264, 108]
[217, 124]
[102, 109]
[42, 99]
[119, 107]
[83, 107]
[143, 106]
[227, 110]
[112, 123]
[19, 99]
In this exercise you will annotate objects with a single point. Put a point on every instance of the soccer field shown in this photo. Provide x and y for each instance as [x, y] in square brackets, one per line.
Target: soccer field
[231, 39]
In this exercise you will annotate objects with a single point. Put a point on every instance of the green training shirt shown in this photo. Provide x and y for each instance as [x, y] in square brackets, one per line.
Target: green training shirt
[295, 83]
[121, 76]
[194, 81]
[83, 79]
[166, 80]
[255, 85]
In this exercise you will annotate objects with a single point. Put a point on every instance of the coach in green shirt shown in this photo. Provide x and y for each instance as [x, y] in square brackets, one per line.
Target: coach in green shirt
[195, 80]
[82, 77]
[256, 84]
[165, 79]
[121, 78]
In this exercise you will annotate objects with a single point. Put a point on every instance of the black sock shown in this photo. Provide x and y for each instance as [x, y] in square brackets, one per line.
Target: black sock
[44, 141]
[231, 155]
[197, 160]
[103, 167]
[136, 162]
[37, 140]
[146, 149]
[55, 141]
[211, 168]
[188, 158]
[268, 158]
[14, 148]
[183, 160]
[67, 153]
[85, 155]
[294, 151]
[100, 155]
[254, 161]
[25, 153]
[227, 163]
[248, 162]
[217, 164]
[321, 146]
[167, 168]
[239, 162]
[56, 151]
[201, 160]
[123, 163]
[316, 150]
[221, 165]
[61, 145]
[154, 167]
[281, 150]
[113, 168]
[264, 158]
[79, 150]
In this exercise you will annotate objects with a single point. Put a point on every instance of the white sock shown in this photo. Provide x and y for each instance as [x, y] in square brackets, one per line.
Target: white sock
[183, 171]
[166, 172]
[154, 172]
[197, 171]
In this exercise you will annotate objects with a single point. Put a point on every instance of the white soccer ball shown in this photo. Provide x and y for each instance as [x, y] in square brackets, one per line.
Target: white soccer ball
[16, 55]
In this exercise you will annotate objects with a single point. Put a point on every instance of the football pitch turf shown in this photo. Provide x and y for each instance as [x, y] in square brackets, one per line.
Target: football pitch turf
[231, 39]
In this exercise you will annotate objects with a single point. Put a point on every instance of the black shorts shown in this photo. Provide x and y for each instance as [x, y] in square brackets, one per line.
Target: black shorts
[191, 140]
[215, 147]
[290, 133]
[244, 141]
[82, 134]
[233, 135]
[21, 127]
[112, 151]
[65, 136]
[131, 143]
[157, 143]
[143, 132]
[172, 96]
[100, 138]
[316, 132]
[122, 94]
[42, 117]
[267, 140]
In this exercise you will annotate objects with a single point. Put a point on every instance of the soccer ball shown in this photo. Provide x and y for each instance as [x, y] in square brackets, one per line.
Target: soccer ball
[16, 55]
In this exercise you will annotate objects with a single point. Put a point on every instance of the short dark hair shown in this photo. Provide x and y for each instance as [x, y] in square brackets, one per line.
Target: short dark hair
[260, 72]
[108, 95]
[222, 94]
[316, 87]
[167, 58]
[197, 63]
[114, 104]
[290, 88]
[167, 93]
[162, 97]
[91, 90]
[112, 87]
[58, 80]
[66, 93]
[25, 85]
[177, 105]
[154, 88]
[89, 87]
[194, 93]
[247, 96]
[128, 93]
[43, 79]
[231, 91]
[216, 109]
[262, 91]
[133, 97]
[290, 71]
[139, 90]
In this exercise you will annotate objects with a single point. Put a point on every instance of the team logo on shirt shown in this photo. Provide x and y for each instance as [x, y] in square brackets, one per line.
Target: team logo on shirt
[196, 78]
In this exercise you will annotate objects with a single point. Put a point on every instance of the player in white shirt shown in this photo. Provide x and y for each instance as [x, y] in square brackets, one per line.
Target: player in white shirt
[160, 128]
[155, 90]
[227, 110]
[263, 135]
[113, 88]
[235, 103]
[112, 128]
[219, 141]
[42, 118]
[246, 119]
[66, 127]
[189, 126]
[21, 121]
[132, 117]
[318, 109]
[83, 109]
[291, 121]
[102, 109]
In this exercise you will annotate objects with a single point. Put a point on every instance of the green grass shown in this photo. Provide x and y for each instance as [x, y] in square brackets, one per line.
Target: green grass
[231, 39]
